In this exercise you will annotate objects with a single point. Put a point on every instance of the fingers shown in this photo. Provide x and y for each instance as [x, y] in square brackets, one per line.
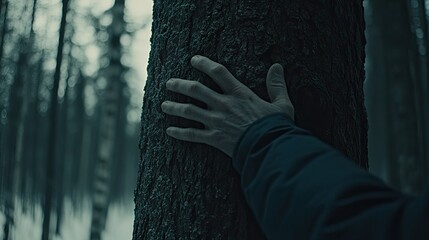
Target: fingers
[190, 134]
[276, 84]
[217, 72]
[193, 89]
[186, 110]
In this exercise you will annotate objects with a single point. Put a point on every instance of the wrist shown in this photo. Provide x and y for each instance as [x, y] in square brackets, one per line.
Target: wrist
[255, 131]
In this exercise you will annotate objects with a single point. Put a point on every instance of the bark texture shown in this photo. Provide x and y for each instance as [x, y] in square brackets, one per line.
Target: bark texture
[190, 191]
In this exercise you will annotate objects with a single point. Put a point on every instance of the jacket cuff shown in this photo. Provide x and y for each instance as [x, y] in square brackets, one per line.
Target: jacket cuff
[260, 133]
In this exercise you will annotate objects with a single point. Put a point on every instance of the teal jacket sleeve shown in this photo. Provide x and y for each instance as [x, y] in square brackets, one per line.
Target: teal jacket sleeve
[298, 187]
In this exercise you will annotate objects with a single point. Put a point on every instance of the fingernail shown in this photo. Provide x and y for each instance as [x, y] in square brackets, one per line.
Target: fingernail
[195, 58]
[279, 66]
[279, 69]
[168, 82]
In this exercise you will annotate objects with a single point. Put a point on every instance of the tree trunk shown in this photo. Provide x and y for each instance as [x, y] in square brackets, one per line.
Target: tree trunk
[421, 36]
[119, 155]
[399, 75]
[80, 144]
[50, 168]
[62, 151]
[108, 124]
[376, 96]
[4, 29]
[23, 128]
[16, 112]
[3, 107]
[34, 141]
[190, 191]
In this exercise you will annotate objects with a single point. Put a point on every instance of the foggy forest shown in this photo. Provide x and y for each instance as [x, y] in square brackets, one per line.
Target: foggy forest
[80, 138]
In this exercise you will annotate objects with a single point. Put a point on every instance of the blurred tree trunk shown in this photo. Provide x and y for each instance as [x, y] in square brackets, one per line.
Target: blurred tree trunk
[3, 135]
[15, 104]
[53, 124]
[34, 132]
[109, 110]
[421, 33]
[120, 159]
[79, 133]
[23, 127]
[4, 27]
[17, 110]
[190, 191]
[63, 156]
[395, 65]
[376, 97]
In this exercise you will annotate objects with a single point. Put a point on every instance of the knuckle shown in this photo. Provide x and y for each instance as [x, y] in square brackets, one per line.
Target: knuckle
[221, 118]
[191, 135]
[214, 120]
[212, 137]
[219, 121]
[290, 110]
[218, 69]
[194, 87]
[224, 101]
[187, 110]
[242, 93]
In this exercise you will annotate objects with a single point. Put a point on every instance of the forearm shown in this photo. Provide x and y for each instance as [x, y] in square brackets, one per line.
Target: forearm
[299, 187]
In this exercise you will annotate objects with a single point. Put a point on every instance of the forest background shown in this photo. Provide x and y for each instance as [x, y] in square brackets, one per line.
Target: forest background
[72, 74]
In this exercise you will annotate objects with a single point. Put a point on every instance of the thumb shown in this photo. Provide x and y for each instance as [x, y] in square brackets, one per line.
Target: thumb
[276, 84]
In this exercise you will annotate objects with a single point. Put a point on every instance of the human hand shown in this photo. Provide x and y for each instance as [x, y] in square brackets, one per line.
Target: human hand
[229, 114]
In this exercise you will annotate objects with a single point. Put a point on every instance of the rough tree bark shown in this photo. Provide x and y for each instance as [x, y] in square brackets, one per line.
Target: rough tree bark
[190, 191]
